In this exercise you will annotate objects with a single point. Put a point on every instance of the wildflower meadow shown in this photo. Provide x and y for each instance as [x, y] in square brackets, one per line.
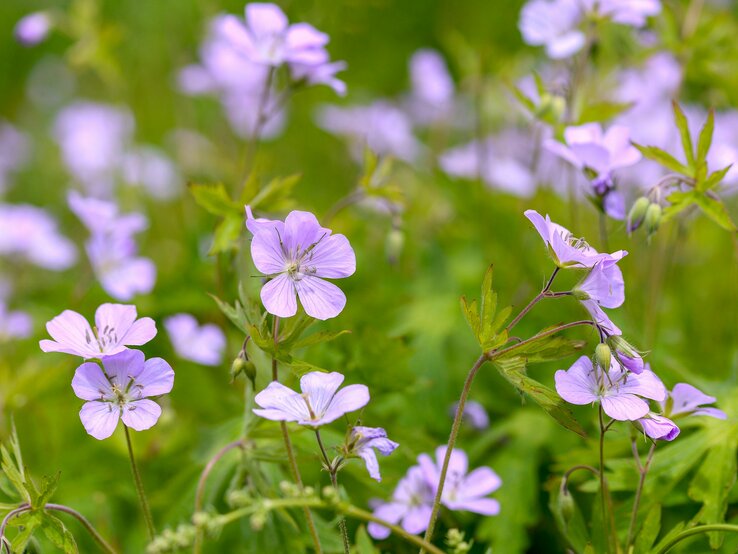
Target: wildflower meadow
[368, 276]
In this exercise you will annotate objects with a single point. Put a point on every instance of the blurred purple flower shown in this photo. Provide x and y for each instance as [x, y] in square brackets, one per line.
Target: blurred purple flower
[363, 442]
[267, 38]
[148, 167]
[432, 96]
[203, 344]
[474, 413]
[659, 427]
[121, 391]
[33, 28]
[320, 74]
[93, 138]
[625, 12]
[410, 506]
[565, 249]
[112, 249]
[299, 254]
[382, 127]
[462, 490]
[686, 400]
[620, 393]
[319, 403]
[14, 324]
[116, 327]
[31, 233]
[14, 152]
[553, 24]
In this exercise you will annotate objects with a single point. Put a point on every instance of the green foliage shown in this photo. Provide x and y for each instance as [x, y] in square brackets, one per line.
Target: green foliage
[486, 323]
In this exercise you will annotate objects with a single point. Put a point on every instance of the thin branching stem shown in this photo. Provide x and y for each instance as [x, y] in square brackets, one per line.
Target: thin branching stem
[333, 471]
[643, 471]
[139, 487]
[533, 302]
[727, 527]
[85, 523]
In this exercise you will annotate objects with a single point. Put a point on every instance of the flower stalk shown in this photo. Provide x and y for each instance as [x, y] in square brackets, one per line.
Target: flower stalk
[139, 487]
[332, 468]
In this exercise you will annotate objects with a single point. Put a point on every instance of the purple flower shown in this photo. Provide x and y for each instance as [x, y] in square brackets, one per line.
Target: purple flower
[363, 442]
[410, 506]
[620, 393]
[686, 400]
[149, 168]
[112, 249]
[553, 24]
[14, 152]
[121, 391]
[33, 28]
[474, 413]
[201, 344]
[14, 324]
[626, 12]
[603, 287]
[31, 233]
[299, 254]
[565, 249]
[380, 126]
[462, 490]
[432, 97]
[320, 74]
[658, 427]
[115, 328]
[319, 403]
[268, 39]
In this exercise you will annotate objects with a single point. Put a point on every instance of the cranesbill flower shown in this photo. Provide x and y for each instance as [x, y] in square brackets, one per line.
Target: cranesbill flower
[462, 490]
[432, 98]
[363, 442]
[686, 400]
[33, 28]
[320, 74]
[14, 324]
[299, 254]
[267, 38]
[317, 405]
[620, 393]
[603, 287]
[410, 506]
[201, 344]
[553, 24]
[474, 414]
[121, 391]
[116, 327]
[626, 12]
[565, 249]
[658, 427]
[15, 150]
[151, 169]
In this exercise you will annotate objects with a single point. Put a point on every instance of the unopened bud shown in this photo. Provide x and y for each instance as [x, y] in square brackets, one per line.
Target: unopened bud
[566, 505]
[603, 355]
[652, 218]
[551, 107]
[245, 366]
[394, 244]
[637, 213]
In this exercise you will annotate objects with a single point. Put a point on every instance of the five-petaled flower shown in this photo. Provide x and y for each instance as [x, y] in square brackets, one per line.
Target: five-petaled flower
[410, 506]
[362, 443]
[318, 404]
[116, 327]
[298, 253]
[685, 400]
[603, 287]
[620, 393]
[567, 250]
[659, 427]
[121, 391]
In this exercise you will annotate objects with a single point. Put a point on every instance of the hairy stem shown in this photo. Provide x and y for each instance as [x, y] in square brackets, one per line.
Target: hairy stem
[333, 471]
[608, 518]
[643, 471]
[295, 470]
[85, 523]
[10, 515]
[139, 487]
[533, 302]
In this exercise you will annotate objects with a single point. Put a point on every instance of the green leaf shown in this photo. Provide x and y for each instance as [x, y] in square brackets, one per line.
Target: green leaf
[12, 467]
[523, 99]
[234, 313]
[544, 348]
[715, 210]
[276, 194]
[58, 534]
[678, 202]
[487, 308]
[364, 544]
[45, 491]
[683, 126]
[317, 338]
[226, 234]
[712, 484]
[602, 111]
[513, 369]
[714, 179]
[664, 158]
[705, 138]
[27, 524]
[485, 323]
[649, 531]
[215, 199]
[471, 314]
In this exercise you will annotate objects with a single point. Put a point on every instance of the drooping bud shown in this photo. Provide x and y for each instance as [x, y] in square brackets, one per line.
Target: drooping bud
[603, 355]
[637, 213]
[652, 220]
[566, 505]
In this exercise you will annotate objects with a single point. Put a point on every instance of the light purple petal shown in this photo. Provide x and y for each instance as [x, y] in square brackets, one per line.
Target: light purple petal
[484, 506]
[266, 251]
[710, 412]
[480, 482]
[278, 296]
[321, 299]
[416, 519]
[121, 368]
[372, 465]
[99, 418]
[141, 414]
[119, 317]
[72, 335]
[578, 384]
[89, 383]
[659, 428]
[157, 378]
[591, 155]
[303, 230]
[126, 277]
[391, 513]
[614, 205]
[280, 403]
[302, 36]
[333, 258]
[320, 388]
[348, 399]
[265, 19]
[686, 398]
[624, 407]
[601, 318]
[646, 384]
[604, 284]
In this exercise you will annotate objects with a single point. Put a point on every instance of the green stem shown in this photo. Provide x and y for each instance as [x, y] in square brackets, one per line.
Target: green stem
[533, 302]
[357, 513]
[333, 471]
[290, 451]
[139, 487]
[450, 446]
[727, 527]
[85, 523]
[643, 471]
[608, 523]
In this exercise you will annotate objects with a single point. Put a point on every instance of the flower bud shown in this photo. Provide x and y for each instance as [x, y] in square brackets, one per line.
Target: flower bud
[619, 344]
[603, 355]
[394, 244]
[245, 366]
[637, 213]
[566, 505]
[652, 218]
[551, 107]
